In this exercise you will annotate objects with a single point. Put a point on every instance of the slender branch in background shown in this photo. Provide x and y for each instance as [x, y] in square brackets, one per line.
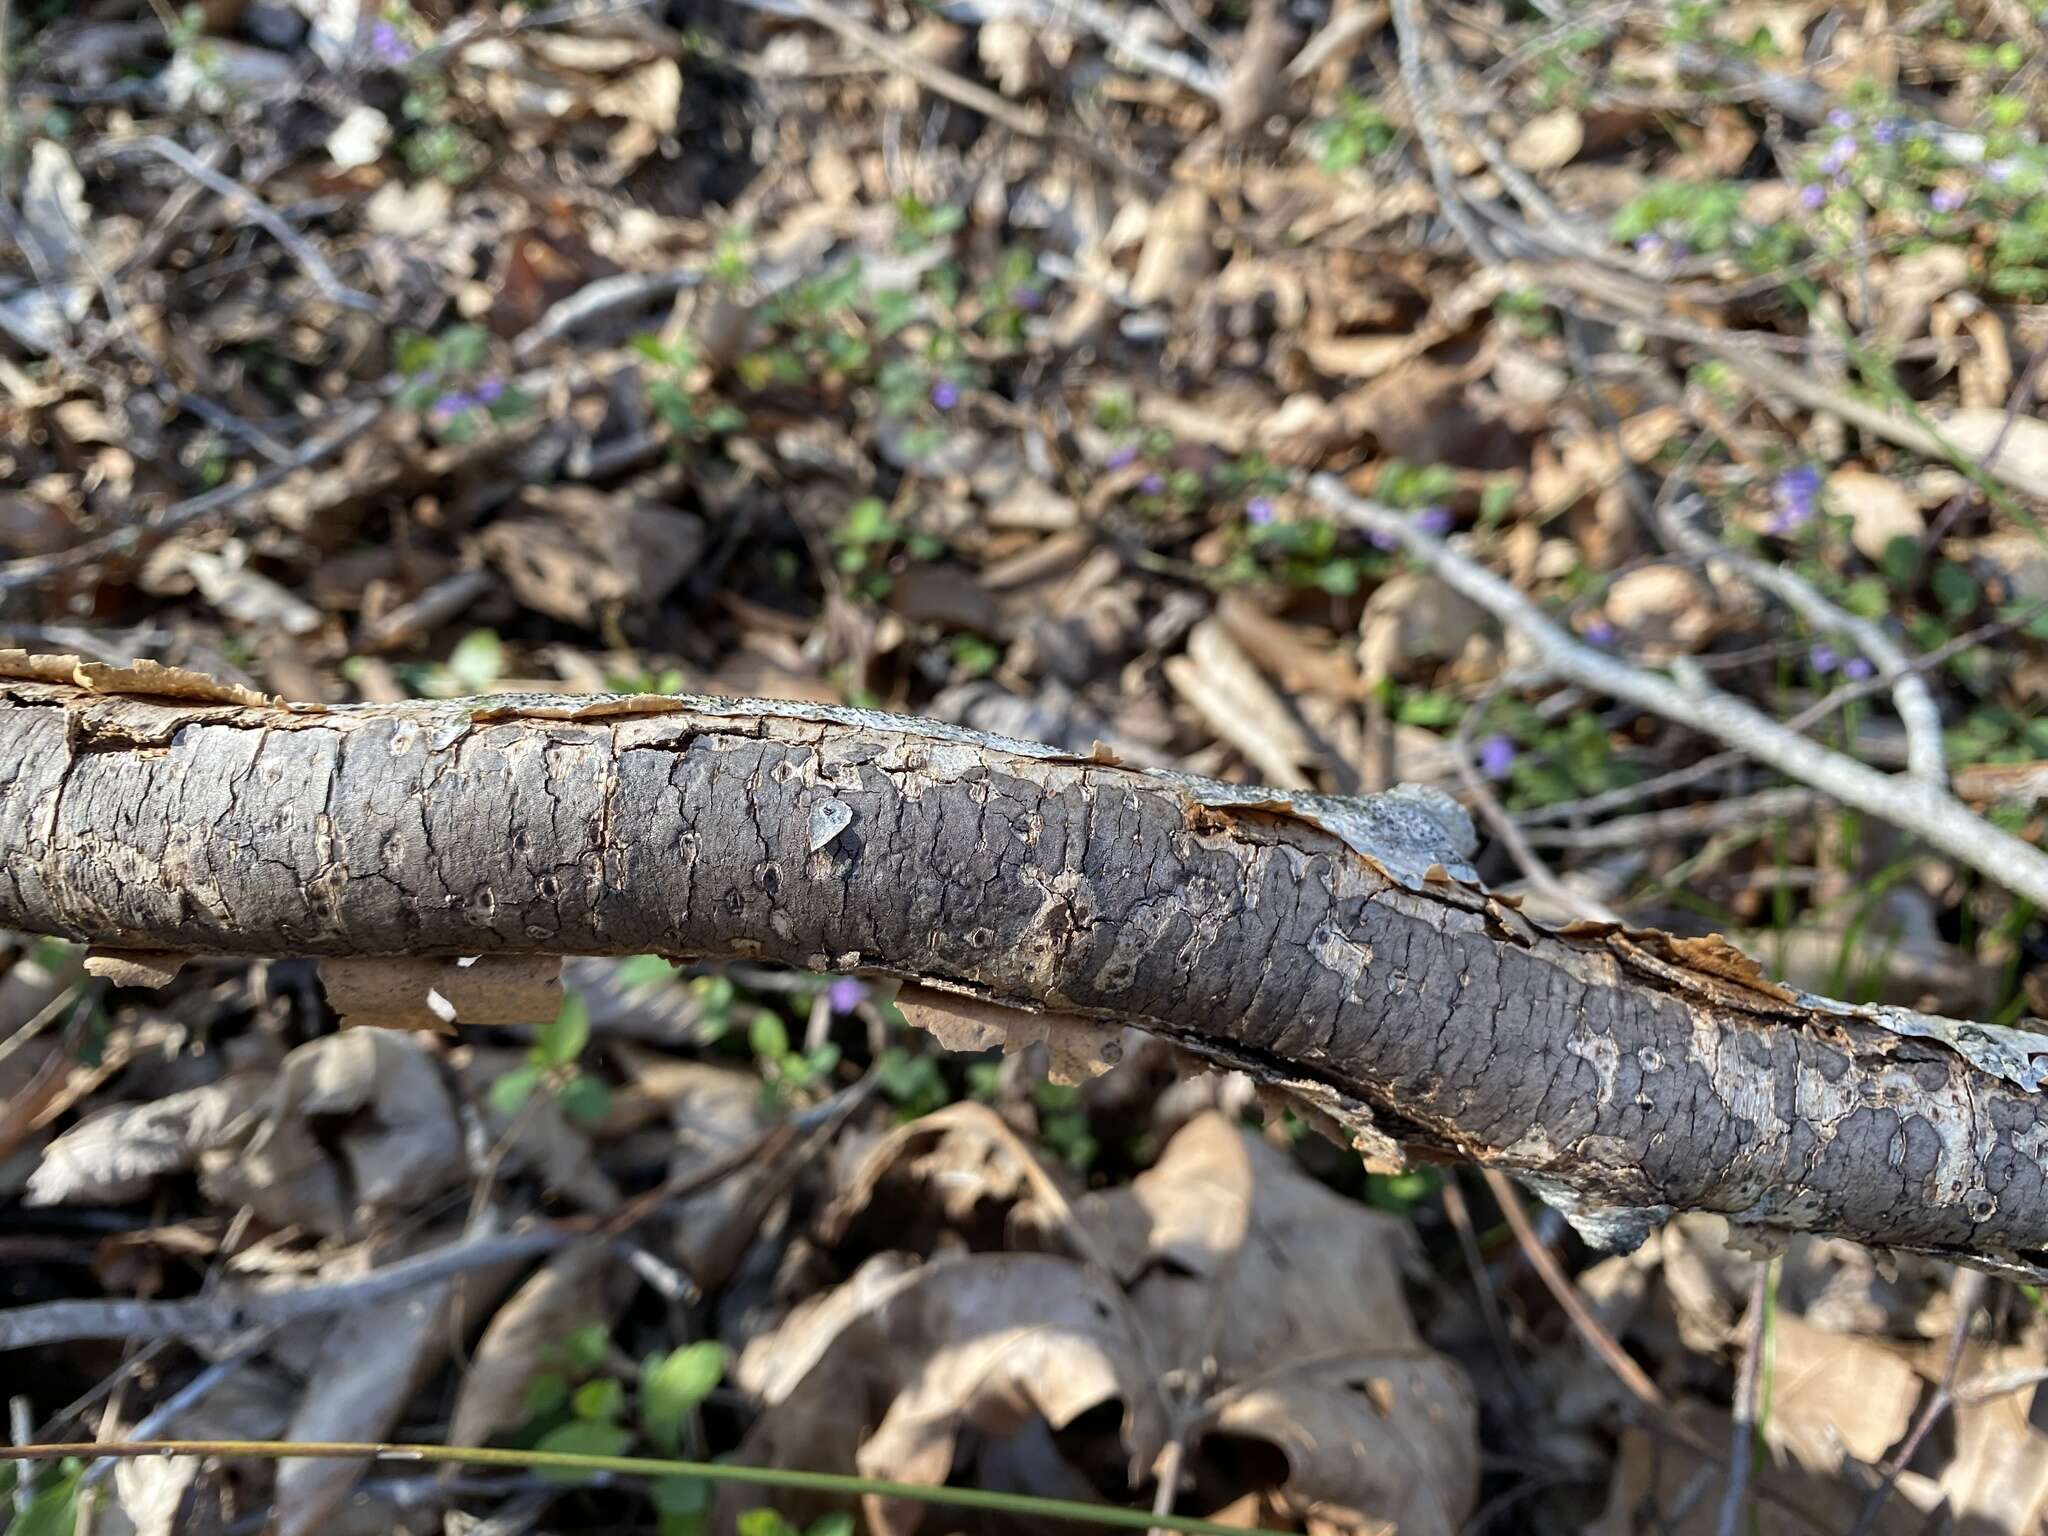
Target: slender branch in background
[1913, 805]
[59, 1322]
[1748, 1393]
[1926, 757]
[1422, 112]
[310, 261]
[32, 569]
[1966, 1292]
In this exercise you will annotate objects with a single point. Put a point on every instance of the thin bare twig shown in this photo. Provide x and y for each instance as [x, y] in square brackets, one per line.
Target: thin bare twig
[1914, 805]
[1566, 1295]
[37, 568]
[310, 261]
[1422, 112]
[60, 1322]
[1748, 1390]
[1968, 1294]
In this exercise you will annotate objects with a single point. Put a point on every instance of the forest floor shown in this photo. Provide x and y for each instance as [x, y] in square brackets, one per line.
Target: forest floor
[968, 358]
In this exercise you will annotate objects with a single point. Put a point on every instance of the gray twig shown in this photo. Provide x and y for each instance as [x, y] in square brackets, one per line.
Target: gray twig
[310, 261]
[60, 1322]
[1914, 805]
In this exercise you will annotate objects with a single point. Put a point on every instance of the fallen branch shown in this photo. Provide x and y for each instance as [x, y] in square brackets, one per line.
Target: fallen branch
[1914, 805]
[1342, 950]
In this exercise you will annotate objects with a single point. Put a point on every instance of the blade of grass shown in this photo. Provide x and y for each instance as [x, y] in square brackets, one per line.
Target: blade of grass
[646, 1466]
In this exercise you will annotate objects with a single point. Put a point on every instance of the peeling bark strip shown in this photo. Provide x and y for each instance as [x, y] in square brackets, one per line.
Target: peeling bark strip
[1340, 947]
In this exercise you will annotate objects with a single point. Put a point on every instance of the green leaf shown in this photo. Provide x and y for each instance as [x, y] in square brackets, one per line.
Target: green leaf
[600, 1401]
[584, 1348]
[546, 1394]
[679, 1498]
[644, 971]
[559, 1043]
[54, 1511]
[582, 1437]
[838, 1523]
[416, 353]
[585, 1100]
[765, 1522]
[510, 1092]
[1955, 589]
[672, 1385]
[767, 1036]
[477, 662]
[464, 347]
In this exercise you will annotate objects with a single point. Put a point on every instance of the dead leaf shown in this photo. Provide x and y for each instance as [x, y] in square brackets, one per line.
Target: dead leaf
[547, 1145]
[1662, 607]
[1879, 510]
[1836, 1395]
[1412, 618]
[577, 554]
[717, 1112]
[400, 1139]
[960, 1358]
[1997, 1479]
[1548, 141]
[1908, 287]
[776, 1360]
[1178, 252]
[1301, 660]
[114, 1156]
[1237, 1256]
[1220, 683]
[1371, 1441]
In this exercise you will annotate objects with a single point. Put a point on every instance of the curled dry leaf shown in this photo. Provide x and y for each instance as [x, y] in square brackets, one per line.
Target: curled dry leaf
[1548, 141]
[776, 1361]
[1234, 1254]
[401, 1140]
[1389, 1438]
[954, 1362]
[1879, 510]
[114, 1156]
[1411, 618]
[1219, 681]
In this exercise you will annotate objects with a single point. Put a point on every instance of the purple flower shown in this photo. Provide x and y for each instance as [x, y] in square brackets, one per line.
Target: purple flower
[845, 994]
[1888, 130]
[389, 46]
[1379, 538]
[1599, 632]
[1259, 510]
[1812, 195]
[1822, 659]
[1839, 154]
[1946, 199]
[1651, 245]
[2002, 171]
[1858, 668]
[1152, 484]
[489, 391]
[1119, 457]
[945, 394]
[1434, 521]
[1795, 495]
[1027, 297]
[1496, 757]
[1841, 117]
[454, 403]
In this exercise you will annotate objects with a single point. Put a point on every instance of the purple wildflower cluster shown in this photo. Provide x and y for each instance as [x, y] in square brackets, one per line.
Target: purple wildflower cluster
[1795, 496]
[390, 46]
[484, 393]
[1823, 659]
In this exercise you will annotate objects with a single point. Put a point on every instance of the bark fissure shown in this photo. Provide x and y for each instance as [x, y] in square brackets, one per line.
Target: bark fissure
[1624, 1074]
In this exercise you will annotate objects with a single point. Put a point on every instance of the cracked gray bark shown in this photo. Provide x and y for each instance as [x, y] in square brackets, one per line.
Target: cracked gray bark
[1309, 942]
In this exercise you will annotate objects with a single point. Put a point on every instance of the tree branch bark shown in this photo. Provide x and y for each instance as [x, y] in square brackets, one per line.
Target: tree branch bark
[1342, 949]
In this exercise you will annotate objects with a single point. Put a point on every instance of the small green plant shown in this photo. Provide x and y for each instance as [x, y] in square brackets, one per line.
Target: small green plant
[912, 1082]
[1358, 132]
[918, 223]
[1063, 1125]
[768, 1522]
[689, 417]
[787, 1071]
[54, 1509]
[473, 667]
[551, 1066]
[868, 539]
[446, 377]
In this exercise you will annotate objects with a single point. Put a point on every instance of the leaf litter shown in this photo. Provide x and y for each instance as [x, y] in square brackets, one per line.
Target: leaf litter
[648, 350]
